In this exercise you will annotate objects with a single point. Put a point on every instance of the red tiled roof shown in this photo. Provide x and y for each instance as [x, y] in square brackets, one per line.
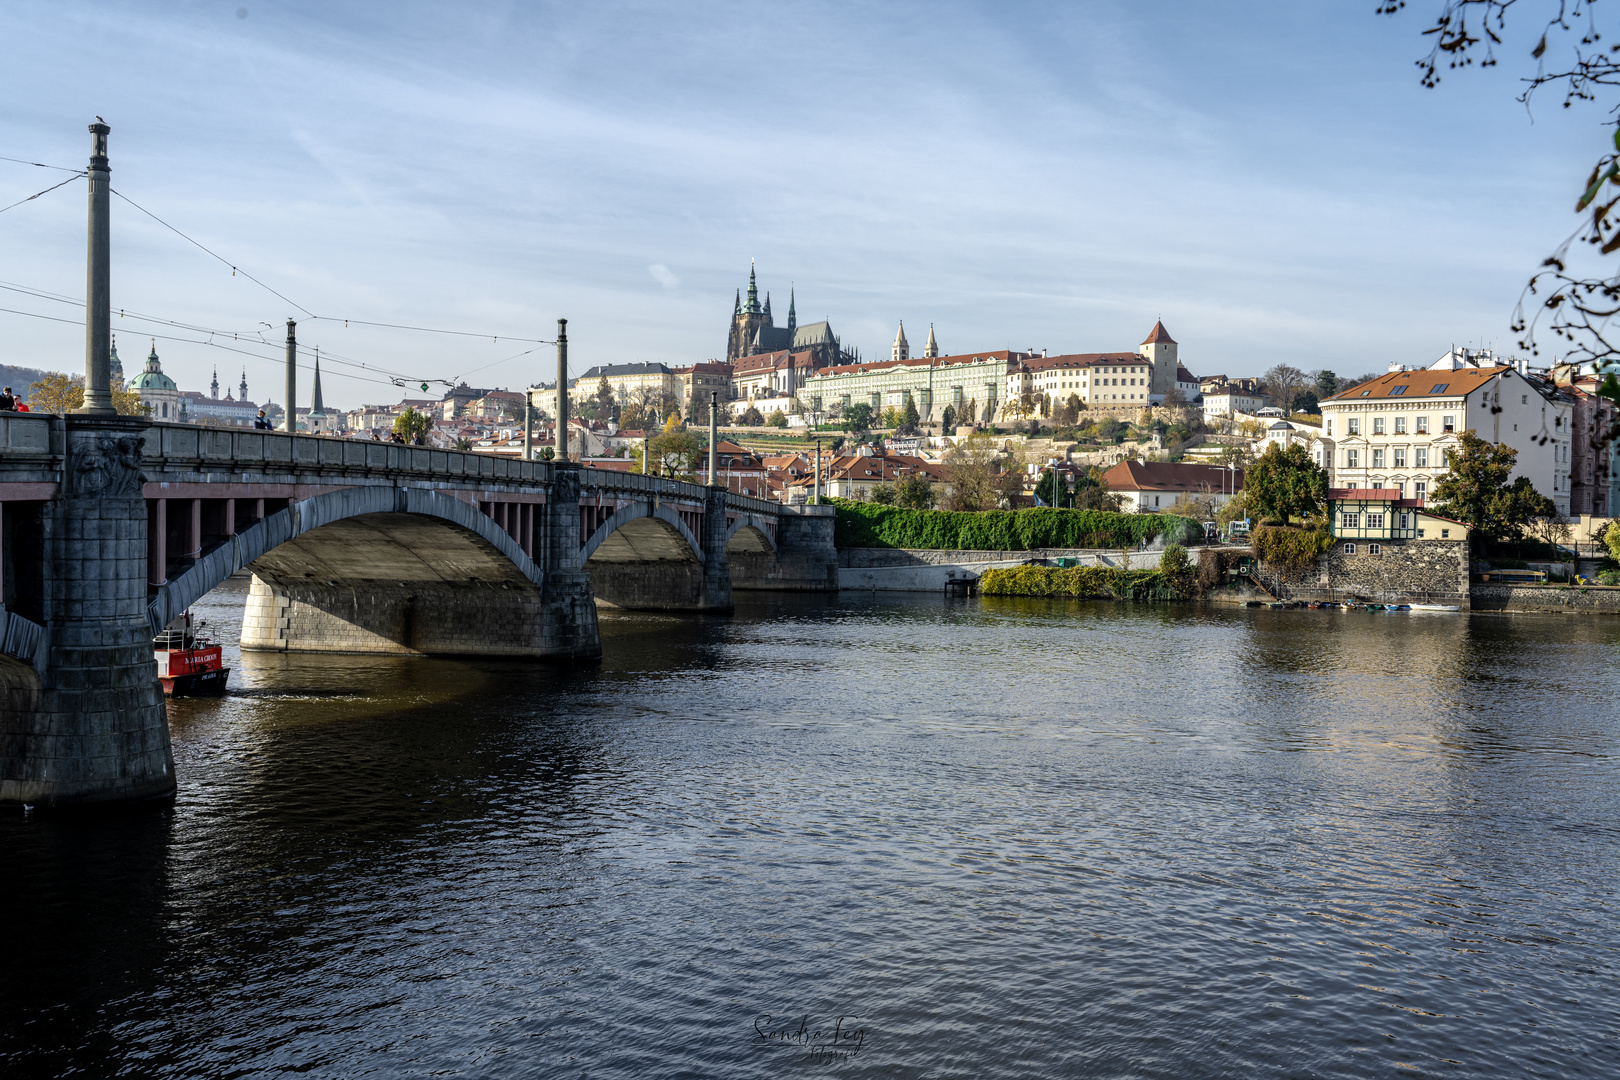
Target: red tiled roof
[1003, 355]
[1171, 476]
[1420, 384]
[1159, 335]
[1079, 360]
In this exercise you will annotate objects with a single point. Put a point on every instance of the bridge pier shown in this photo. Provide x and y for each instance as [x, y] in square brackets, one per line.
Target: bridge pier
[84, 720]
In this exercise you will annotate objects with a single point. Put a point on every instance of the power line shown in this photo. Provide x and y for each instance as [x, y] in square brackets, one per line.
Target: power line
[431, 330]
[37, 194]
[234, 268]
[42, 165]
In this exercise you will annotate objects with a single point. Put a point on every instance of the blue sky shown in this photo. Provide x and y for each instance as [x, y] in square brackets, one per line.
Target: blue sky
[1269, 178]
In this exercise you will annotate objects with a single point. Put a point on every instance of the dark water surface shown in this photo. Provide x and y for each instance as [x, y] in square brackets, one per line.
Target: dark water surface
[998, 838]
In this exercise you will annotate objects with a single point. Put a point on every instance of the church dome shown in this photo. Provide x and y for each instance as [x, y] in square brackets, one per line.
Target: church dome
[152, 378]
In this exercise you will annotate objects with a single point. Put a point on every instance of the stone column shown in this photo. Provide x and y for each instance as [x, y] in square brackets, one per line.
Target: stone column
[292, 377]
[562, 390]
[98, 283]
[98, 732]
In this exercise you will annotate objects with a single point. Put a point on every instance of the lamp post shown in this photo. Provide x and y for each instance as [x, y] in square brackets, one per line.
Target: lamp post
[714, 430]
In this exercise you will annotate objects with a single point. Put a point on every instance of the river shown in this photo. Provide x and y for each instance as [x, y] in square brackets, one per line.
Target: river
[862, 837]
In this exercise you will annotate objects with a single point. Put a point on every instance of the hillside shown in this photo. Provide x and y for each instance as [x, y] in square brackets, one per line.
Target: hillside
[20, 378]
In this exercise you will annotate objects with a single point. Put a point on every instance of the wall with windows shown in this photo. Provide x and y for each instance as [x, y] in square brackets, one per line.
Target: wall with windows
[1382, 571]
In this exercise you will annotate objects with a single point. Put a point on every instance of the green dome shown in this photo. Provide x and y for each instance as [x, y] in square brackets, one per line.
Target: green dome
[152, 380]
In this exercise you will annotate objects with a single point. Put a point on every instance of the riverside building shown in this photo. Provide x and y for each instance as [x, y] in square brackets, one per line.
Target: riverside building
[1397, 432]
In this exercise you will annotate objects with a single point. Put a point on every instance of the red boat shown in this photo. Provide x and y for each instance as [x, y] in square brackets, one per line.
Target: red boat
[189, 664]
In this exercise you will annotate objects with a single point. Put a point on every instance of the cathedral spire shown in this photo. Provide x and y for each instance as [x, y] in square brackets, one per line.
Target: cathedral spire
[315, 409]
[793, 318]
[902, 350]
[753, 292]
[736, 309]
[932, 348]
[768, 320]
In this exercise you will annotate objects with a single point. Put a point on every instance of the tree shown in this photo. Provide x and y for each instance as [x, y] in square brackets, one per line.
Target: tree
[883, 494]
[1234, 509]
[751, 417]
[411, 425]
[970, 469]
[909, 416]
[1200, 506]
[1052, 490]
[947, 421]
[675, 450]
[1091, 492]
[604, 398]
[1551, 530]
[858, 419]
[1306, 401]
[1283, 383]
[1285, 484]
[1611, 540]
[914, 492]
[1476, 491]
[1175, 566]
[1327, 383]
[1584, 68]
[59, 393]
[778, 419]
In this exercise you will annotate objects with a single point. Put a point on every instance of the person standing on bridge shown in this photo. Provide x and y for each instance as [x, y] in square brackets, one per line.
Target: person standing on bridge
[8, 403]
[260, 422]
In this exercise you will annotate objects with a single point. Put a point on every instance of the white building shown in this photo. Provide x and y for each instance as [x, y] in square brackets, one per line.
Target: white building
[1398, 430]
[1230, 400]
[156, 390]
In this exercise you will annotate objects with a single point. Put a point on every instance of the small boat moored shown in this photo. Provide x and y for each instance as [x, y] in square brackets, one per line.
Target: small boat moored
[188, 664]
[1435, 607]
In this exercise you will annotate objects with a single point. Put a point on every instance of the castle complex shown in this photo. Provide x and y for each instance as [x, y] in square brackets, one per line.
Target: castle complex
[754, 330]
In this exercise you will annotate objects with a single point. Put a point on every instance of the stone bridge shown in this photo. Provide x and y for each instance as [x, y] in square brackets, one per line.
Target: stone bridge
[110, 528]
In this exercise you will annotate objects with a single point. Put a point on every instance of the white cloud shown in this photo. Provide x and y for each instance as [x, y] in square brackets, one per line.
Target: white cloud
[664, 276]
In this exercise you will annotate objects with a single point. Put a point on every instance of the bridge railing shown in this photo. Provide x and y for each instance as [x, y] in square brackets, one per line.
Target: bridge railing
[635, 484]
[177, 446]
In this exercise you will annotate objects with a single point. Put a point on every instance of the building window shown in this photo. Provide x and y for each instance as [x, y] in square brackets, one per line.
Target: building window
[1350, 521]
[1349, 549]
[1375, 549]
[1330, 427]
[1445, 534]
[1400, 425]
[1351, 459]
[1420, 534]
[1420, 489]
[1423, 425]
[1378, 425]
[1420, 457]
[1448, 424]
[1375, 521]
[1353, 426]
[1400, 457]
[1378, 458]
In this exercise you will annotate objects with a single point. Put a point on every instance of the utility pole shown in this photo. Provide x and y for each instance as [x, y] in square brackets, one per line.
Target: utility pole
[292, 376]
[714, 430]
[817, 498]
[98, 283]
[562, 390]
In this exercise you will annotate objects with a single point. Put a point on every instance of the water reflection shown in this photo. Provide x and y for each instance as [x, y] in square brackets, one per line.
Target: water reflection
[1012, 838]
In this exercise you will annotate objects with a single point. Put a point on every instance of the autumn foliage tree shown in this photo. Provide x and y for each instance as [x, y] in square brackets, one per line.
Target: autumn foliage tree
[59, 393]
[1476, 491]
[1285, 484]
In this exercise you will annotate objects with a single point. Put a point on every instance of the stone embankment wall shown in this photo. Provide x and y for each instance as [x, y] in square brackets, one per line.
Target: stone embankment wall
[1572, 598]
[1404, 571]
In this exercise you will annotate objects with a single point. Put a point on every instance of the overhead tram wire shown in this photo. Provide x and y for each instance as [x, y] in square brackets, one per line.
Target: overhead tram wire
[235, 269]
[41, 165]
[37, 194]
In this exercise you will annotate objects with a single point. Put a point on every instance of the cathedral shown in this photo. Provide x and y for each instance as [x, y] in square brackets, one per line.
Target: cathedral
[754, 330]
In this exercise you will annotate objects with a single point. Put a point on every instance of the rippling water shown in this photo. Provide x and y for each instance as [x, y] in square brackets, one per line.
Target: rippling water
[997, 838]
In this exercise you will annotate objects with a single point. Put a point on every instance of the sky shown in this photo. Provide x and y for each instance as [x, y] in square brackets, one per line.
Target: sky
[1269, 178]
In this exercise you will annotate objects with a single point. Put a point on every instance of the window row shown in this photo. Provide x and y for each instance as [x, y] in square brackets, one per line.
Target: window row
[1420, 425]
[1396, 458]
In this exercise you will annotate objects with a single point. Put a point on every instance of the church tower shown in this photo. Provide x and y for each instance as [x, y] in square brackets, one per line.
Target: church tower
[213, 387]
[901, 350]
[317, 414]
[793, 317]
[1159, 350]
[931, 349]
[747, 319]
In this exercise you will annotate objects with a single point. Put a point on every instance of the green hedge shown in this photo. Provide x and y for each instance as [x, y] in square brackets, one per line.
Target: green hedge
[1084, 582]
[872, 525]
[1287, 546]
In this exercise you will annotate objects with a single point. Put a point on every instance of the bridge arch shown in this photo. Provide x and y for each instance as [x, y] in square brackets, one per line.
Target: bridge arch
[757, 538]
[306, 516]
[664, 538]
